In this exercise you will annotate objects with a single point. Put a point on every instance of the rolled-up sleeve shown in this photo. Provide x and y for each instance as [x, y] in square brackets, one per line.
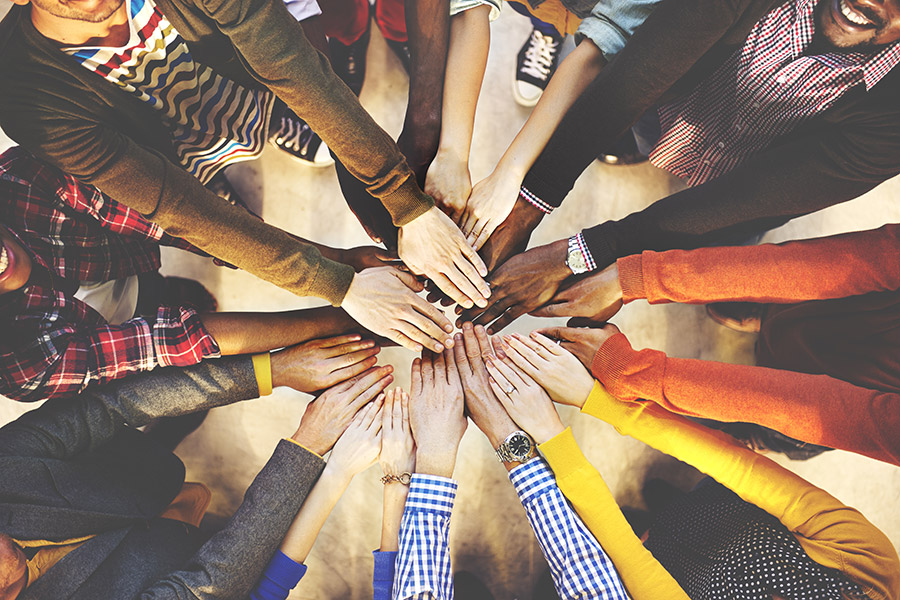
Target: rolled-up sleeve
[612, 23]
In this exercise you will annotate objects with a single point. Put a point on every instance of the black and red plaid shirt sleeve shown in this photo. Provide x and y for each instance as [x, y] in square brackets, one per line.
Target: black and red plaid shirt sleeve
[58, 345]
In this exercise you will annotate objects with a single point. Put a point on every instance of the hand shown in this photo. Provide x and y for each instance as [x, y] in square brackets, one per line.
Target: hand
[398, 450]
[318, 364]
[554, 368]
[470, 350]
[358, 447]
[598, 298]
[450, 184]
[436, 413]
[490, 203]
[326, 417]
[583, 341]
[384, 301]
[522, 284]
[512, 236]
[367, 257]
[433, 246]
[525, 401]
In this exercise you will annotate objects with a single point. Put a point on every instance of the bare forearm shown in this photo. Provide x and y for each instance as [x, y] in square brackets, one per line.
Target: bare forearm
[312, 516]
[392, 513]
[248, 333]
[571, 78]
[470, 38]
[428, 27]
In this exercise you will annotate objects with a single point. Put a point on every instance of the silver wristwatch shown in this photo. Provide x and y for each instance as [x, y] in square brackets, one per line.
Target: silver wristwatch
[517, 447]
[575, 257]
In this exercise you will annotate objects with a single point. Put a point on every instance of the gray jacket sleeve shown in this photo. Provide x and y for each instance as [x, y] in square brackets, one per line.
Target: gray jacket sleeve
[231, 562]
[65, 427]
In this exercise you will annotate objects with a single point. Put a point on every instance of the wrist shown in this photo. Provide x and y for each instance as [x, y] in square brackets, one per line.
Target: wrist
[548, 432]
[338, 472]
[451, 153]
[310, 441]
[280, 369]
[436, 461]
[557, 253]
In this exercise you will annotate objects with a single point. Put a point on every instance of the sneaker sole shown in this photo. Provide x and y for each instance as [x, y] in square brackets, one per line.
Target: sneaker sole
[519, 98]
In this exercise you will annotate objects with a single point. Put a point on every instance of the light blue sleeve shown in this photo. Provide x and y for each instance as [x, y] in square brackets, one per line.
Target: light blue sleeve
[612, 23]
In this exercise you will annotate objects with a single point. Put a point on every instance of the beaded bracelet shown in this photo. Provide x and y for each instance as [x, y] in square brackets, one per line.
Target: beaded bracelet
[403, 478]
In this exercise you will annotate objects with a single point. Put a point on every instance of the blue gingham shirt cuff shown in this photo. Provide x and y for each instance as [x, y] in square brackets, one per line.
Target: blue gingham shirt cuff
[579, 566]
[423, 564]
[585, 252]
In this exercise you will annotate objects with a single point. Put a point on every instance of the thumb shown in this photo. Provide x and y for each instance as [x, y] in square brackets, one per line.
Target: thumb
[410, 280]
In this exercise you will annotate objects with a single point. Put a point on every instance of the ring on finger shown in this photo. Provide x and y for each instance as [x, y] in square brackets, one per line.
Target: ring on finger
[510, 389]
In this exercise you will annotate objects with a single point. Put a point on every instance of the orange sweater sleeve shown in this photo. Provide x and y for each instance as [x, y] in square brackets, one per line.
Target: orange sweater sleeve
[815, 269]
[831, 533]
[813, 408]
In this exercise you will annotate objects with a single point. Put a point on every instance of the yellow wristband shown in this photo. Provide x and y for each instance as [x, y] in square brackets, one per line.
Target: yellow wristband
[262, 367]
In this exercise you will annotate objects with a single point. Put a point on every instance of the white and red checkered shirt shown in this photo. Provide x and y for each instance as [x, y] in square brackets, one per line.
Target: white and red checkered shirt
[764, 90]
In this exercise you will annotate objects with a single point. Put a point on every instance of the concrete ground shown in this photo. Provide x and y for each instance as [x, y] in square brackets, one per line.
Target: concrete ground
[490, 535]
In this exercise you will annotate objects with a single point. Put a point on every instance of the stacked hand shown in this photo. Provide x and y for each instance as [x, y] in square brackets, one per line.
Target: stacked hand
[384, 301]
[398, 450]
[598, 298]
[470, 351]
[525, 282]
[582, 338]
[450, 184]
[524, 399]
[490, 202]
[318, 364]
[556, 370]
[436, 414]
[358, 447]
[432, 245]
[326, 418]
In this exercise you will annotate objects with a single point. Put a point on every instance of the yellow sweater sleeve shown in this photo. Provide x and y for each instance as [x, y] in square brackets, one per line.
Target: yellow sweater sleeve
[582, 485]
[832, 534]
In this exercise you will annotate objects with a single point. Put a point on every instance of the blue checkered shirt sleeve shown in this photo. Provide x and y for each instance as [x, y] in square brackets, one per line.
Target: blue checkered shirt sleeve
[579, 566]
[423, 562]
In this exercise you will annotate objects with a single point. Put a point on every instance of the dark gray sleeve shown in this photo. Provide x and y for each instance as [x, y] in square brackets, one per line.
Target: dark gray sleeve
[231, 562]
[64, 427]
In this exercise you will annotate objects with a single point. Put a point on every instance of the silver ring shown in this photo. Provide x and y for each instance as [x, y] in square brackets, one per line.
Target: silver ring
[509, 390]
[558, 342]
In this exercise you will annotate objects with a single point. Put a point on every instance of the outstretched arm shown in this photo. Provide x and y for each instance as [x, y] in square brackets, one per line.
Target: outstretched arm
[448, 180]
[428, 29]
[355, 450]
[493, 198]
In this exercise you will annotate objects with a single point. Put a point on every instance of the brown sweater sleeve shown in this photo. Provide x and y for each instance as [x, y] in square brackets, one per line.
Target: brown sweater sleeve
[278, 55]
[813, 408]
[816, 269]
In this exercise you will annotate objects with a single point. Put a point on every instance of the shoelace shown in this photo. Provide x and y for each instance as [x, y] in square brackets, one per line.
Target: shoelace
[539, 55]
[293, 135]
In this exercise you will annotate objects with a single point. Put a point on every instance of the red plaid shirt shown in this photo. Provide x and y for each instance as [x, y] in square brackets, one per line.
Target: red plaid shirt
[763, 91]
[53, 344]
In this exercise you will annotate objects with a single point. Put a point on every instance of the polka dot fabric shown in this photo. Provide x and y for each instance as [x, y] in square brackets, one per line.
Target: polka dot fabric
[719, 547]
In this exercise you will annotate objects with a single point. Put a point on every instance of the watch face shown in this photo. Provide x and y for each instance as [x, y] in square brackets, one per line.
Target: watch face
[576, 262]
[519, 446]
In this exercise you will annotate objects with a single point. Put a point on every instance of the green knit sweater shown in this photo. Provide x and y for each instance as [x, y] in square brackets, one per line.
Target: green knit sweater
[102, 135]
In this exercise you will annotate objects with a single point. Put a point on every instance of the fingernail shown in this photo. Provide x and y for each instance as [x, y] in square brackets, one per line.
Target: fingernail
[438, 348]
[467, 326]
[467, 303]
[448, 343]
[481, 303]
[448, 328]
[418, 348]
[390, 368]
[458, 337]
[490, 331]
